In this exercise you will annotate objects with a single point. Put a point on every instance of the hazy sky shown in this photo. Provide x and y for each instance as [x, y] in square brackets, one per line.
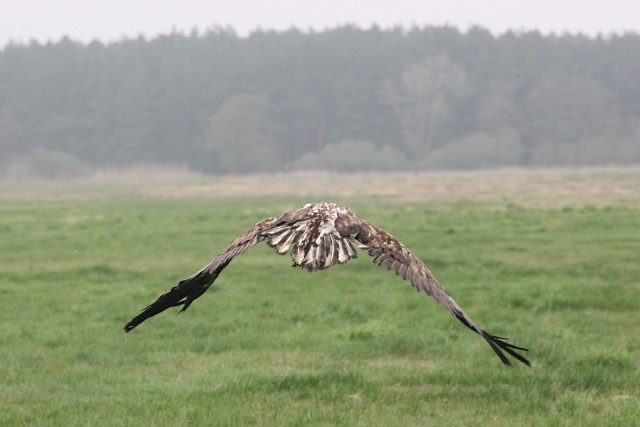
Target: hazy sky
[108, 20]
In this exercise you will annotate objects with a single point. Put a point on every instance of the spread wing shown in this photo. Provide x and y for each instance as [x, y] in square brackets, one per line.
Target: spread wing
[309, 232]
[187, 290]
[389, 252]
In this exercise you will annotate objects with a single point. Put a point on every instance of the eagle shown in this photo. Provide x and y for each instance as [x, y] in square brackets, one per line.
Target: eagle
[318, 236]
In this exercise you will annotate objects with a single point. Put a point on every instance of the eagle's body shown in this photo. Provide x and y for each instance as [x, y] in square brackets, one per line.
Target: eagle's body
[319, 236]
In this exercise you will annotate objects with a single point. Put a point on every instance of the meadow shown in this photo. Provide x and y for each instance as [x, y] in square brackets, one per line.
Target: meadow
[549, 259]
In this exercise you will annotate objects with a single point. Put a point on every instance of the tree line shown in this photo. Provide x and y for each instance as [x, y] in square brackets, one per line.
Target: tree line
[345, 99]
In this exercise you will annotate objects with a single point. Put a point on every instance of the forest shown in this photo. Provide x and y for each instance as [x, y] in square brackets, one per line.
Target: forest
[343, 99]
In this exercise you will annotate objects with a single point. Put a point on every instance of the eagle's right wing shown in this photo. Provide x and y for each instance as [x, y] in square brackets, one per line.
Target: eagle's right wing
[388, 252]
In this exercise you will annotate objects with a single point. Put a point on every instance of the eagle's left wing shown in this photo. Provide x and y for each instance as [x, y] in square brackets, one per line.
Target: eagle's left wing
[187, 290]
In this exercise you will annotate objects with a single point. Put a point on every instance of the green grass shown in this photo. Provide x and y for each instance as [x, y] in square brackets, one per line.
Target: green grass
[353, 345]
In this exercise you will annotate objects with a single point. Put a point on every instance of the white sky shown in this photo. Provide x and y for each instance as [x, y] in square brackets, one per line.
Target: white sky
[109, 20]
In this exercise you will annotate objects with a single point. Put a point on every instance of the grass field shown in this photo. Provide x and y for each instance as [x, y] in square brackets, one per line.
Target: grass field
[549, 259]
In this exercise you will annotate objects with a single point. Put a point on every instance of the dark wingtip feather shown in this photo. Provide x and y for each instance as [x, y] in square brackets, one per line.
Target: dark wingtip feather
[150, 311]
[182, 294]
[499, 344]
[129, 326]
[135, 321]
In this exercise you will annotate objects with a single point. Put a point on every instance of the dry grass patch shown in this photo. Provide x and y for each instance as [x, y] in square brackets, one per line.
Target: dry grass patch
[525, 187]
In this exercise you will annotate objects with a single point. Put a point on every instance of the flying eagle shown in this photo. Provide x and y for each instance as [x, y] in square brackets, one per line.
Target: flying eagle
[319, 236]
